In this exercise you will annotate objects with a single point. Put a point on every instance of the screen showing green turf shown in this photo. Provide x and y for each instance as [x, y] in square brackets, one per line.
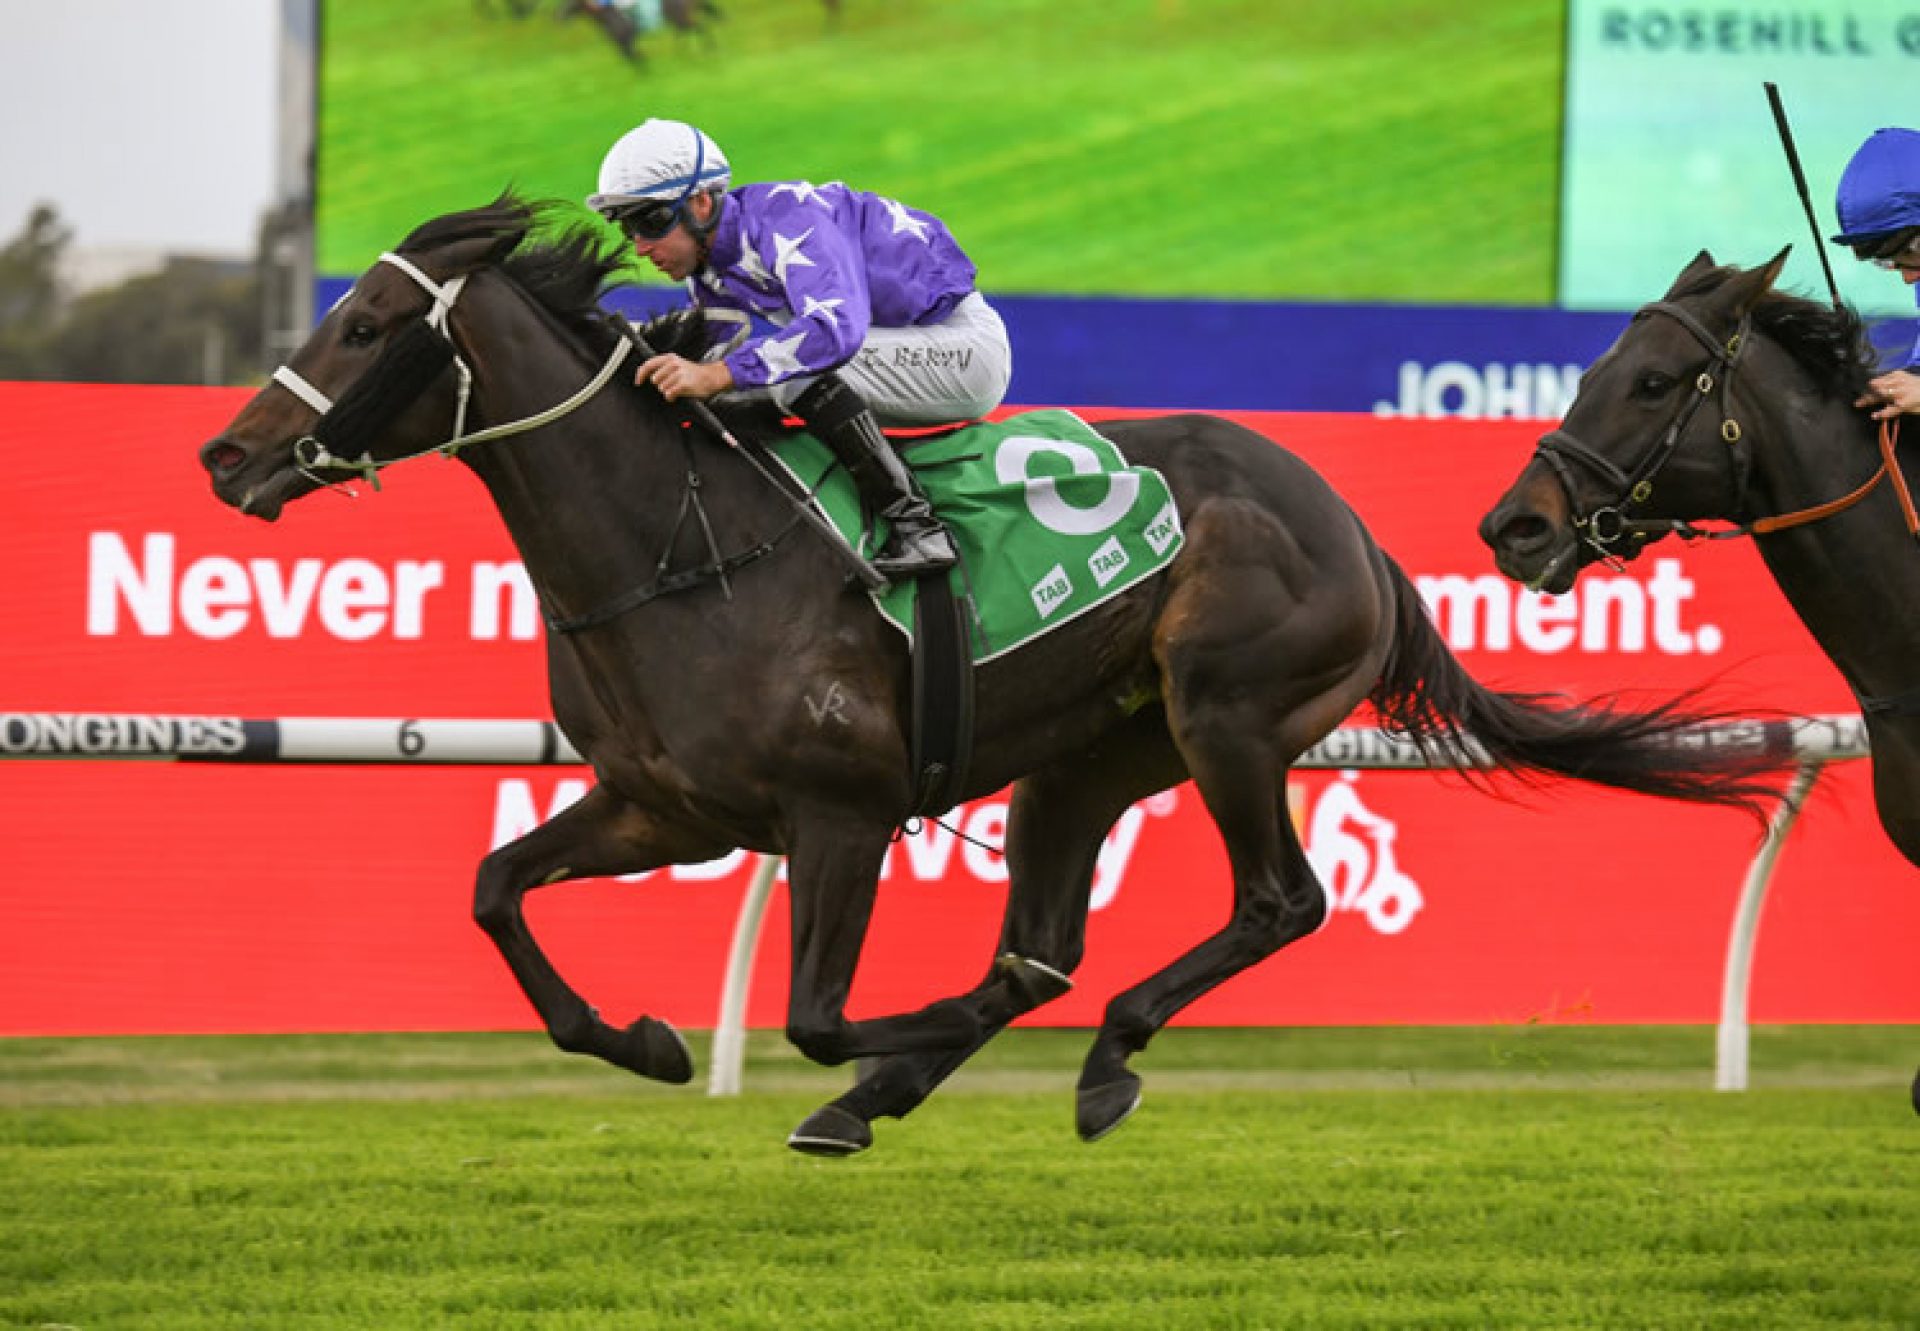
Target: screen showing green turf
[1351, 150]
[1356, 151]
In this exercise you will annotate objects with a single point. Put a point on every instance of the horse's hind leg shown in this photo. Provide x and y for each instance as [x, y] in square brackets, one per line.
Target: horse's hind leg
[1276, 900]
[1274, 633]
[599, 836]
[1056, 823]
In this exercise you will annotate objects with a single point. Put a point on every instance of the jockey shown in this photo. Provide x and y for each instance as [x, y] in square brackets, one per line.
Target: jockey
[1879, 206]
[875, 315]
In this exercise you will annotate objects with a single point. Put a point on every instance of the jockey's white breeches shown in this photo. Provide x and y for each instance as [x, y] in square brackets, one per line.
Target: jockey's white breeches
[928, 374]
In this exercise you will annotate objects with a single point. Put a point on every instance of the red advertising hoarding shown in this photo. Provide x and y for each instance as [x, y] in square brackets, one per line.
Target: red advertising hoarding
[178, 898]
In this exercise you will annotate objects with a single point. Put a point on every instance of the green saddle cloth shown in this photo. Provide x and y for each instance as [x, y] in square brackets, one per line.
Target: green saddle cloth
[1049, 518]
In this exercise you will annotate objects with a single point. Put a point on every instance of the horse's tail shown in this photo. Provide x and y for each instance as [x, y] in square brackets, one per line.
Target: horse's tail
[1426, 695]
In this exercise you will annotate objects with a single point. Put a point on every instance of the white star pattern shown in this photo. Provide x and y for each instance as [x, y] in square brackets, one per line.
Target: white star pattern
[905, 221]
[810, 306]
[779, 357]
[800, 190]
[787, 253]
[752, 265]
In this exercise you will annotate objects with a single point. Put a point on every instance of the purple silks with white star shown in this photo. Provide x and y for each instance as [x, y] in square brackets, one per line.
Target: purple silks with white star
[824, 263]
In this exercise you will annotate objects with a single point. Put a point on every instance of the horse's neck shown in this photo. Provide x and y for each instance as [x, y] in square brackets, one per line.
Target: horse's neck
[1853, 578]
[598, 504]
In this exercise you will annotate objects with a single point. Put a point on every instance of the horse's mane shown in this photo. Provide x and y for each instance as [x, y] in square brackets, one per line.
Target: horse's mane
[567, 268]
[1829, 342]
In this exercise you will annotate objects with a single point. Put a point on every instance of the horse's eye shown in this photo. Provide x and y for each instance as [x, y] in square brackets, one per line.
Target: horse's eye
[360, 334]
[1653, 383]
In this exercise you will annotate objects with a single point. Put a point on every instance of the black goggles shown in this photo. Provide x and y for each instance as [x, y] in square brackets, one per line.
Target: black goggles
[648, 220]
[1889, 250]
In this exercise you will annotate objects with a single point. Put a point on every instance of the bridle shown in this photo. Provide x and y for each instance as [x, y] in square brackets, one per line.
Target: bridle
[1612, 522]
[410, 363]
[406, 366]
[1605, 527]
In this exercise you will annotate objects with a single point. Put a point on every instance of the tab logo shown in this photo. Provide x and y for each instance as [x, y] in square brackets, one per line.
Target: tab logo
[1108, 562]
[1164, 530]
[1052, 591]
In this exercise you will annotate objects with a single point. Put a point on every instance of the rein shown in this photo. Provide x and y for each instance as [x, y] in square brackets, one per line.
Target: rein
[1889, 470]
[418, 356]
[401, 374]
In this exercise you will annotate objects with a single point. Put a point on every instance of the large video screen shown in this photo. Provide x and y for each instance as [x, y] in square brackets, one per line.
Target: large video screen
[1408, 209]
[1318, 150]
[1671, 146]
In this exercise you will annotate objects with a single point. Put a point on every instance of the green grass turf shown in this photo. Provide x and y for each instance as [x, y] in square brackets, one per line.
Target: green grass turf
[1326, 149]
[487, 1181]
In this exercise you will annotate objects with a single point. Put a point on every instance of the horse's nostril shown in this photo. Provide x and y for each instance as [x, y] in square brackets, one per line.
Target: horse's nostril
[1525, 532]
[220, 457]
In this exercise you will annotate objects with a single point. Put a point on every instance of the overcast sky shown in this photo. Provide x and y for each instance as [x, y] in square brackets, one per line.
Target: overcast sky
[144, 122]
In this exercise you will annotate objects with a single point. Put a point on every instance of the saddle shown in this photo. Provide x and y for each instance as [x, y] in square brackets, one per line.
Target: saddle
[1050, 521]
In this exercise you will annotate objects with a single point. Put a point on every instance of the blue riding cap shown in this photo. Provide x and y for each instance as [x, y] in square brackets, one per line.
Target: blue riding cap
[1880, 190]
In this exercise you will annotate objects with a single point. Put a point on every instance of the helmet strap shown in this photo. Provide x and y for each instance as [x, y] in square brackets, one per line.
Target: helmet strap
[702, 233]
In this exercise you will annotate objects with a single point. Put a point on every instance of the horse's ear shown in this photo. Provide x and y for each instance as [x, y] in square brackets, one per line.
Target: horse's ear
[503, 244]
[1746, 288]
[475, 252]
[1702, 263]
[1776, 263]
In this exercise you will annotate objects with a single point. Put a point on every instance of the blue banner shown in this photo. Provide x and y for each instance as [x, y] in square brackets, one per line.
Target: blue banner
[1386, 360]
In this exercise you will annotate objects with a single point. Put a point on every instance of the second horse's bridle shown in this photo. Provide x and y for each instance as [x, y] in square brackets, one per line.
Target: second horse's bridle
[1607, 525]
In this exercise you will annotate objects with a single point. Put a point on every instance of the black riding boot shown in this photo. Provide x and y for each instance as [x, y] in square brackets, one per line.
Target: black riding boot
[838, 418]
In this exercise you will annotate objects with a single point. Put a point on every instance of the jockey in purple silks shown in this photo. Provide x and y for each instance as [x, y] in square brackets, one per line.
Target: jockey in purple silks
[876, 320]
[1879, 206]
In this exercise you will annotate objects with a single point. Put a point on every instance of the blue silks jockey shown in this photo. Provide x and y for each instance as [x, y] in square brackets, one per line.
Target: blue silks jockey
[1878, 202]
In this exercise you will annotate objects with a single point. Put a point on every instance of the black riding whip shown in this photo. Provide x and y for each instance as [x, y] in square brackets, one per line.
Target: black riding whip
[1800, 183]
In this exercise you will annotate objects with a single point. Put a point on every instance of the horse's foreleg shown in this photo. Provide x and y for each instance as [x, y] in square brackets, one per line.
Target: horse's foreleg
[1056, 823]
[599, 836]
[833, 872]
[1896, 779]
[899, 1082]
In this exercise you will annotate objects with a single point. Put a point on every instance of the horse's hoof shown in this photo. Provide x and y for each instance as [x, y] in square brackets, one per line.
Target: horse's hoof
[831, 1131]
[1916, 1092]
[1035, 981]
[655, 1051]
[1099, 1110]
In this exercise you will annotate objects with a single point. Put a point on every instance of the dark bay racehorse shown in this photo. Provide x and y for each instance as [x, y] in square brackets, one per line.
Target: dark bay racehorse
[769, 713]
[1729, 400]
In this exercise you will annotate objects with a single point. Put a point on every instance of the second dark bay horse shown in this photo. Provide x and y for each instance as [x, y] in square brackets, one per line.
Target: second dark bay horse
[772, 715]
[1729, 401]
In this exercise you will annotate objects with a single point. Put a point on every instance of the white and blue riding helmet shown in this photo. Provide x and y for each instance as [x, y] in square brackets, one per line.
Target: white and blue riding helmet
[661, 161]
